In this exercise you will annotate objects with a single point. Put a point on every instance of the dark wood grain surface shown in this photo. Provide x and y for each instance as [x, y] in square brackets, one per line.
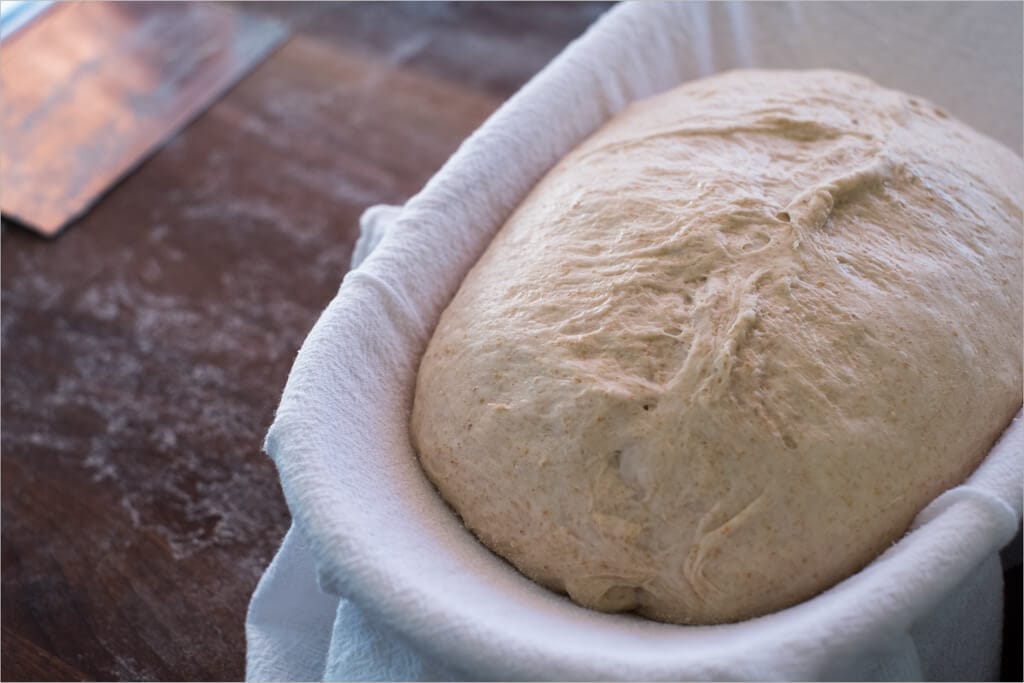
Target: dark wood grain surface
[143, 351]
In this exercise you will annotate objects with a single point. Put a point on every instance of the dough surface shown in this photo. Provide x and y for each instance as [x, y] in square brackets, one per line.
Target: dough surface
[727, 348]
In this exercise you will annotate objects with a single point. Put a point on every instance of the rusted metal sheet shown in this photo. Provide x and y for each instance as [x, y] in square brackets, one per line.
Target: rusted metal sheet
[90, 89]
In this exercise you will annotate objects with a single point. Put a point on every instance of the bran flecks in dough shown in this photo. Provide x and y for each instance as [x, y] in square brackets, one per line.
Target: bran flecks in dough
[727, 348]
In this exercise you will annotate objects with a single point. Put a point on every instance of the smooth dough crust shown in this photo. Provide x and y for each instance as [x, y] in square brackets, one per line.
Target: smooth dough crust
[728, 347]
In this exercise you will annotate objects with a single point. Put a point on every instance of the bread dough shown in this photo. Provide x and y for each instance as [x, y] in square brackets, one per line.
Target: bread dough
[725, 351]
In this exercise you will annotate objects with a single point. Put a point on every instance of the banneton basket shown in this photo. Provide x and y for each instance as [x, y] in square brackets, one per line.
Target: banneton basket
[381, 536]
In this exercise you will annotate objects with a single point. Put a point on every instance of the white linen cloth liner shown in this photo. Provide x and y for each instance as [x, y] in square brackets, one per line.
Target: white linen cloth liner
[422, 598]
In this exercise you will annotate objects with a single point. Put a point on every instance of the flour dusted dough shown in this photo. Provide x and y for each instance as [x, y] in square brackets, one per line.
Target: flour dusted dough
[727, 349]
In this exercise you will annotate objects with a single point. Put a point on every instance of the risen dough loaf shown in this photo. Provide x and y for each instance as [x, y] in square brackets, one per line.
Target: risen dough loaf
[727, 348]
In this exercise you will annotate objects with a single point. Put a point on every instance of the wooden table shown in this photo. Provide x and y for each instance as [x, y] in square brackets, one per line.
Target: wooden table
[144, 350]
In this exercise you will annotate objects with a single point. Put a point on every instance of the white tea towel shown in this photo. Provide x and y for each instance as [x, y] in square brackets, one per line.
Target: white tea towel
[421, 598]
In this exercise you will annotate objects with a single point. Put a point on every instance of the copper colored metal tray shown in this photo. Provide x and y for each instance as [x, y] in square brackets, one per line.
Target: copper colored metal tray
[91, 89]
